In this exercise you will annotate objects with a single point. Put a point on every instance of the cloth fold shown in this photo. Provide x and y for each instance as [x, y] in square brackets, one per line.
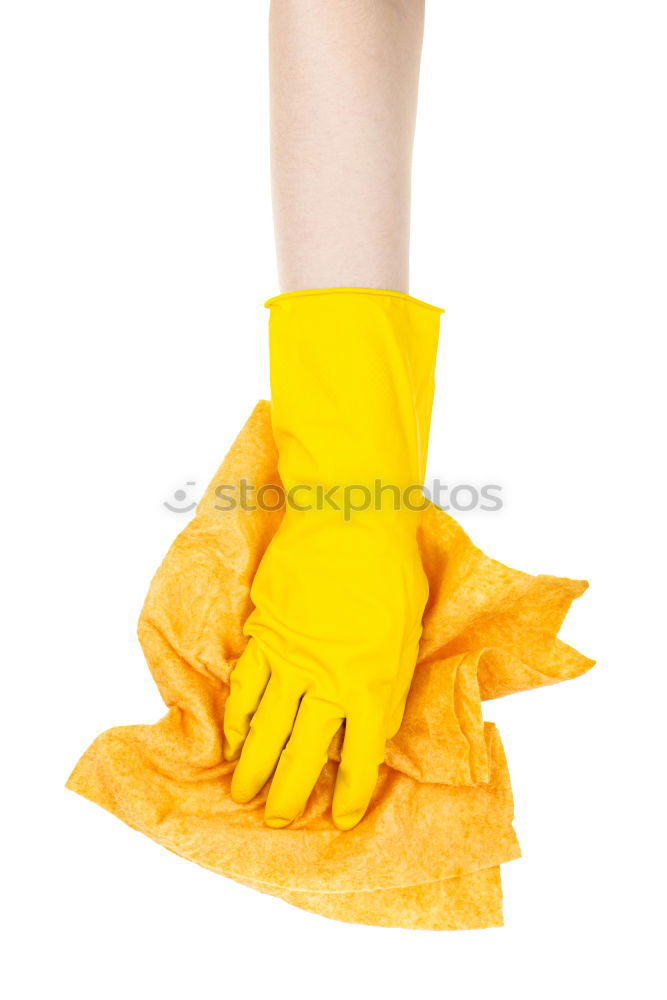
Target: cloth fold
[427, 854]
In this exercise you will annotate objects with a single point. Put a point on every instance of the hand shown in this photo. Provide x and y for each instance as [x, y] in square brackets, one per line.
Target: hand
[334, 638]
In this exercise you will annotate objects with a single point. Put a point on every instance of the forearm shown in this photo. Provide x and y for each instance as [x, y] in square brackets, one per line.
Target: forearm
[344, 78]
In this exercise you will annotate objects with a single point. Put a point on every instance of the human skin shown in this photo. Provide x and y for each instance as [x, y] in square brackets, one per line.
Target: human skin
[343, 88]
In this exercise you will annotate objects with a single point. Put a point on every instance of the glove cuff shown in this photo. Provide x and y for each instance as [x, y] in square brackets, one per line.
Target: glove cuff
[352, 379]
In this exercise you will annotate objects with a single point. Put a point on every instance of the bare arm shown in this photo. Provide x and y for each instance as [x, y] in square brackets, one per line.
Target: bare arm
[344, 77]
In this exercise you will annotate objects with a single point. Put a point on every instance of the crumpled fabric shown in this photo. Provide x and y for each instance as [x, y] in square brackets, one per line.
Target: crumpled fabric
[428, 852]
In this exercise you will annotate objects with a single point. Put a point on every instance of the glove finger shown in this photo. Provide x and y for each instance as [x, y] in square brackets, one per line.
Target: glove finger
[301, 761]
[361, 756]
[269, 731]
[246, 687]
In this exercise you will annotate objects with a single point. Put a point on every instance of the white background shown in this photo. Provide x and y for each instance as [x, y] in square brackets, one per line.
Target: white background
[136, 254]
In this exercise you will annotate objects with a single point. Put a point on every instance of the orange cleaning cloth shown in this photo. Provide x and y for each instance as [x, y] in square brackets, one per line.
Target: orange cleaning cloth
[428, 852]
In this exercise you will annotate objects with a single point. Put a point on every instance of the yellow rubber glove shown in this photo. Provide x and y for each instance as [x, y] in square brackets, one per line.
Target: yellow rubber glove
[340, 593]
